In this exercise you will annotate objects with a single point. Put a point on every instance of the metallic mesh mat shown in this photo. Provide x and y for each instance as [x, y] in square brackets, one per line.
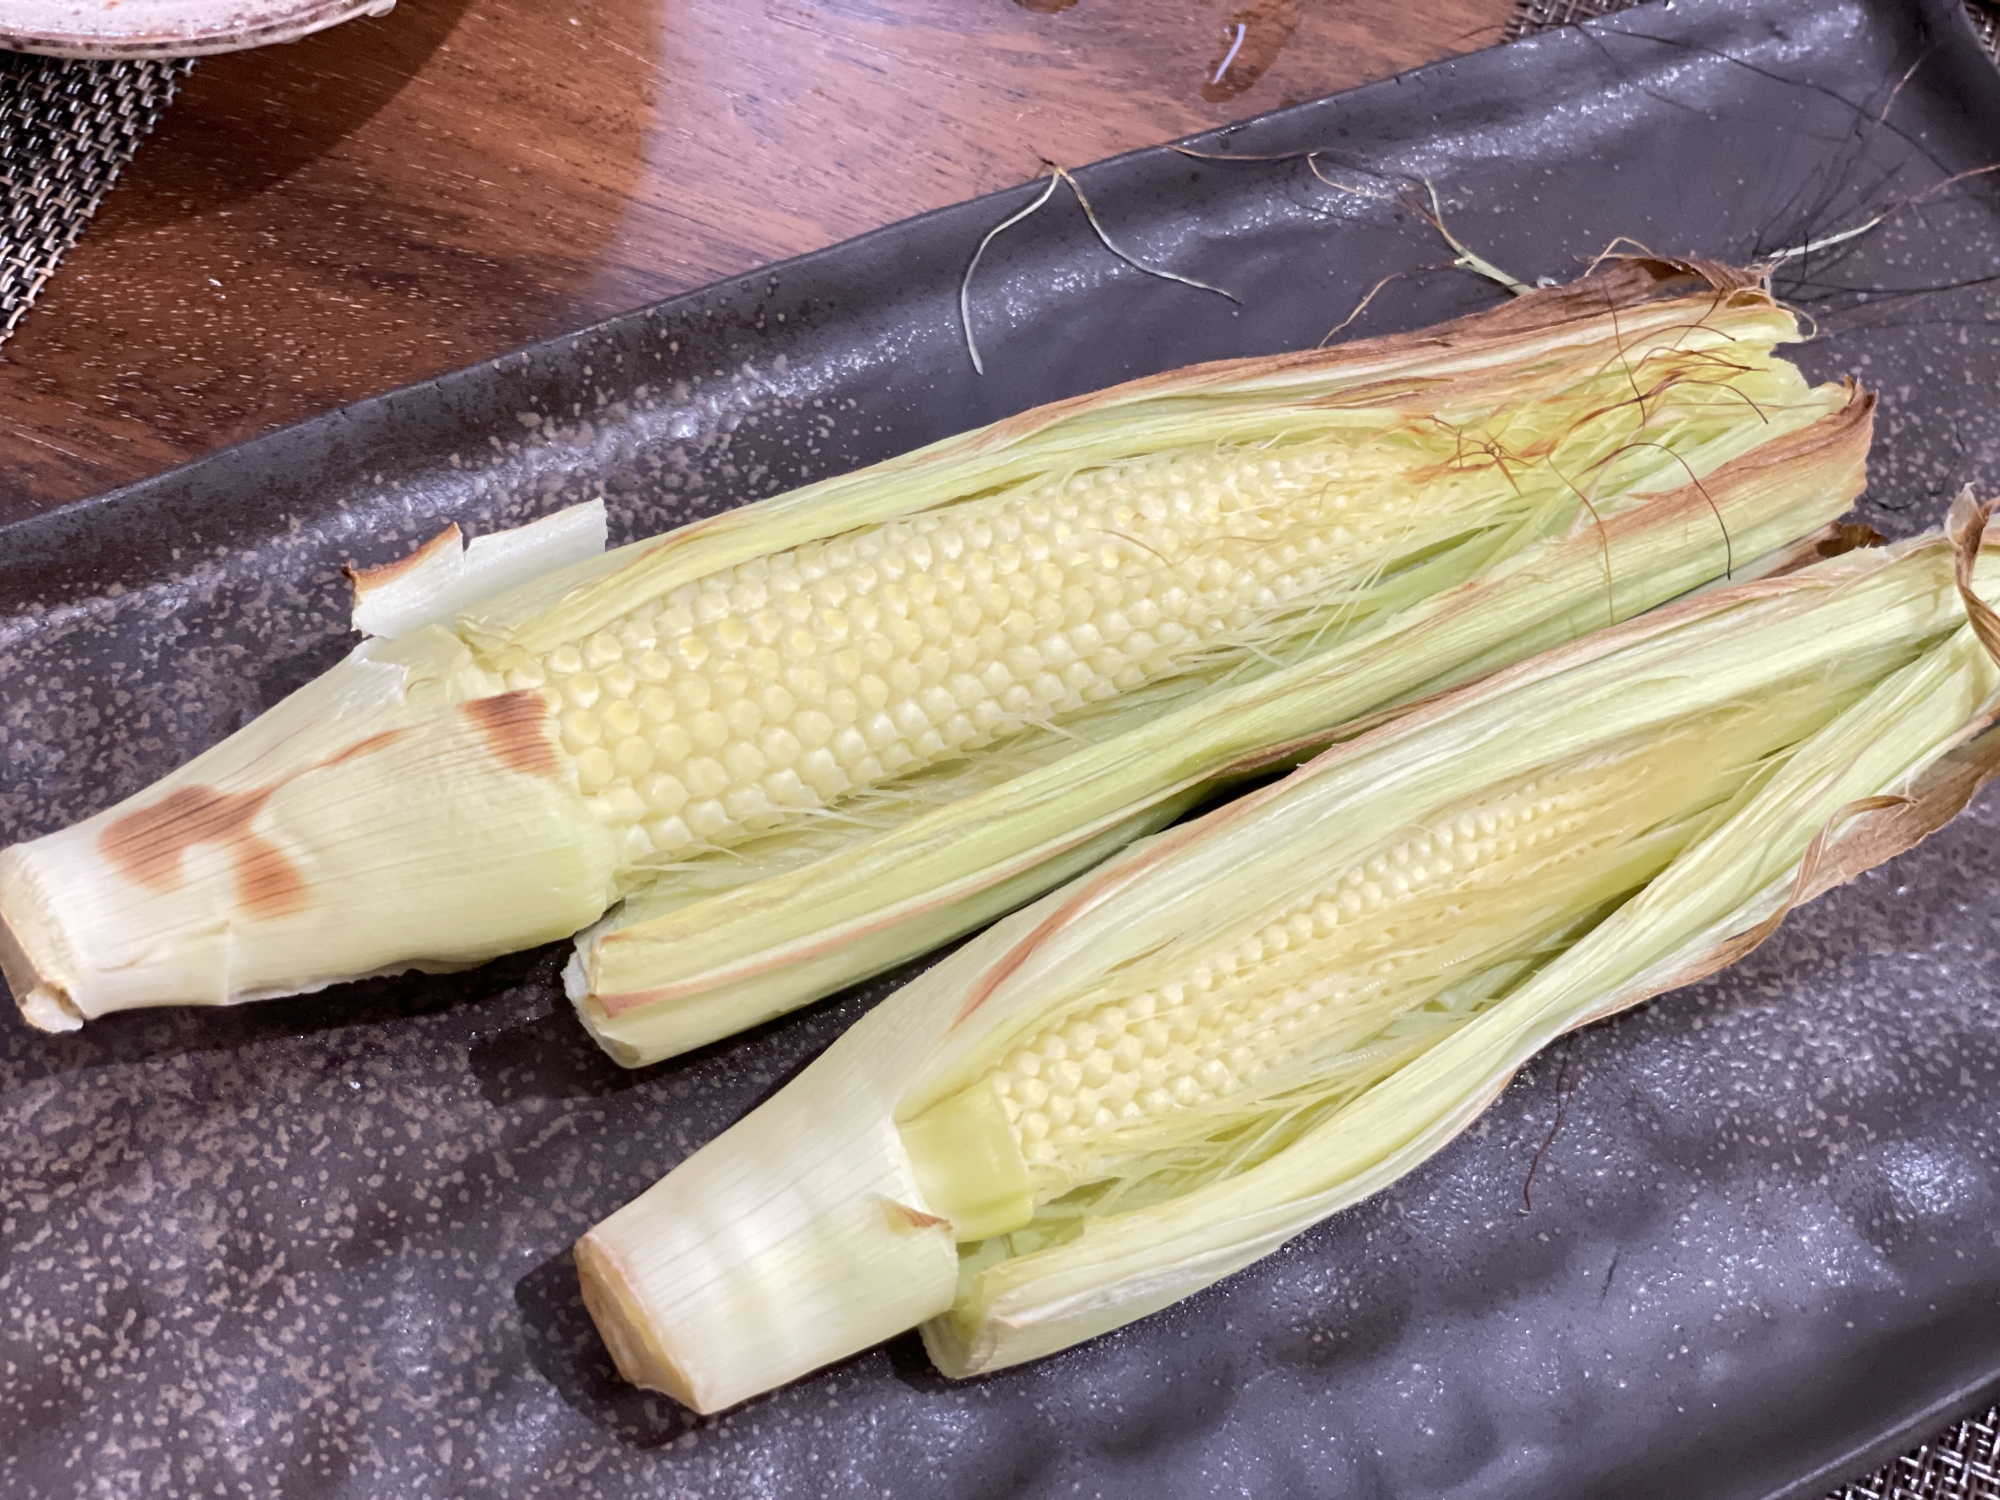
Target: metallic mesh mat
[1531, 16]
[1963, 1461]
[66, 130]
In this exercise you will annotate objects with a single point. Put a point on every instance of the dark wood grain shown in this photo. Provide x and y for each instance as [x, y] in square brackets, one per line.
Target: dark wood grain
[396, 197]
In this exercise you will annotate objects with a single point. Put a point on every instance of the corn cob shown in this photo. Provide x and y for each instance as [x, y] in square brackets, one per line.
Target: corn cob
[1515, 559]
[736, 729]
[1163, 1071]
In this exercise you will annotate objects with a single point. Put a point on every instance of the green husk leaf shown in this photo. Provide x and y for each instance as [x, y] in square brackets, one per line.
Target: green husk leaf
[729, 940]
[1804, 728]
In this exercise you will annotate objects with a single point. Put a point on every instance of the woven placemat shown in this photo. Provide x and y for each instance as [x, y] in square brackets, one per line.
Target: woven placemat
[66, 130]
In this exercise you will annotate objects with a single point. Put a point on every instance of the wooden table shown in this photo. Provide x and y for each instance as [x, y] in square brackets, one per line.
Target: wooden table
[396, 197]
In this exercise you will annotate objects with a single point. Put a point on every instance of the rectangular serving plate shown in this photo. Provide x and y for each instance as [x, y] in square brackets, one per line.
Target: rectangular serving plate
[324, 1241]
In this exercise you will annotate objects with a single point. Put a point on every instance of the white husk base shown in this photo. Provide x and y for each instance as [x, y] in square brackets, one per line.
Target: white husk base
[439, 857]
[788, 1242]
[408, 843]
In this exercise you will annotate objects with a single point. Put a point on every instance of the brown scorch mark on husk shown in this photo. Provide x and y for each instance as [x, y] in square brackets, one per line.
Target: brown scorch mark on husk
[902, 1216]
[360, 748]
[365, 579]
[1841, 537]
[1965, 525]
[513, 726]
[147, 845]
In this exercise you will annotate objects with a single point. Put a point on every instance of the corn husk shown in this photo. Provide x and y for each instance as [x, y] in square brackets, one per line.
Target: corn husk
[392, 814]
[717, 944]
[1804, 729]
[488, 773]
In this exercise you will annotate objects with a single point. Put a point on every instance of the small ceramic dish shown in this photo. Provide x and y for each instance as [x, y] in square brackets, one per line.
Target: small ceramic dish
[167, 28]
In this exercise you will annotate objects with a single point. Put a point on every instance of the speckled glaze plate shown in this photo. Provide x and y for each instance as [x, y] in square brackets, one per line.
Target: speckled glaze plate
[167, 28]
[1739, 1243]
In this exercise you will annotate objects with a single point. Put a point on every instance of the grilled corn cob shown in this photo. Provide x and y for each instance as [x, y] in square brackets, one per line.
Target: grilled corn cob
[1164, 1070]
[812, 737]
[1476, 479]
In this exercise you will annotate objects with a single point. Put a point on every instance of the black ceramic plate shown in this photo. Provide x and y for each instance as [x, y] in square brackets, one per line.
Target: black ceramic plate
[318, 1247]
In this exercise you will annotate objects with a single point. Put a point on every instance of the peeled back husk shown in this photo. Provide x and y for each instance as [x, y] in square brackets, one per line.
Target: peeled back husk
[806, 739]
[1169, 1067]
[1545, 470]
